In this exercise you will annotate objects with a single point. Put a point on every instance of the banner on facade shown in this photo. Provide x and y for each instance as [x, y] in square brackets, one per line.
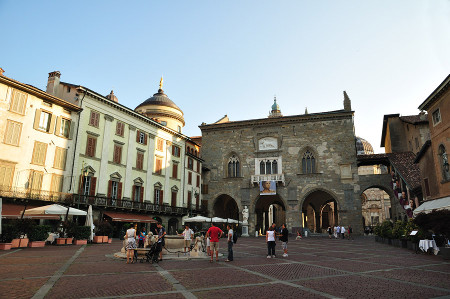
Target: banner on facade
[267, 188]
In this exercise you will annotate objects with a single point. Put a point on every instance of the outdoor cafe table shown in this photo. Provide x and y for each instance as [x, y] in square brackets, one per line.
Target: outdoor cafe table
[424, 245]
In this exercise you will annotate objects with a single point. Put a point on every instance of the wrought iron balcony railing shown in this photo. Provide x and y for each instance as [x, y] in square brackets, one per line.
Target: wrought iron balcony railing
[268, 177]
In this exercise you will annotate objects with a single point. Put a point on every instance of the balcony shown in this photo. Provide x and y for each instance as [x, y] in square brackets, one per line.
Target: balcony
[268, 177]
[23, 193]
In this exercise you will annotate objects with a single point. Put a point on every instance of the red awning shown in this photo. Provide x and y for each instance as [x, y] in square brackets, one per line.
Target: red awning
[13, 211]
[128, 217]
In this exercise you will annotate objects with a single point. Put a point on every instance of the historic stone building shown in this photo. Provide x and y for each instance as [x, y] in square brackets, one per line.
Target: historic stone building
[309, 160]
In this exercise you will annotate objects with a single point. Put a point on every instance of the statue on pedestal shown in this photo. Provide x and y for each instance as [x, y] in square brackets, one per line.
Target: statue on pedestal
[245, 215]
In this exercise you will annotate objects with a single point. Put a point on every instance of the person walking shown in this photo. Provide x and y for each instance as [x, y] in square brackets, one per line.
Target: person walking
[329, 232]
[230, 244]
[188, 235]
[350, 232]
[161, 241]
[338, 232]
[343, 232]
[130, 236]
[270, 239]
[215, 234]
[335, 231]
[284, 239]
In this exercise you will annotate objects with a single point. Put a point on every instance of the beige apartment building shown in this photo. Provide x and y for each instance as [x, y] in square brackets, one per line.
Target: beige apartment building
[36, 143]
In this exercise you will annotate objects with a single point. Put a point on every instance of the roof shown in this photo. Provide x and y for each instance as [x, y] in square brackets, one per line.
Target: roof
[38, 92]
[411, 119]
[161, 99]
[415, 119]
[422, 151]
[442, 88]
[373, 159]
[404, 164]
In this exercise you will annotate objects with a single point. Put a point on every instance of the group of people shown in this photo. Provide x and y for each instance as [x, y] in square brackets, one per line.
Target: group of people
[340, 232]
[131, 236]
[271, 237]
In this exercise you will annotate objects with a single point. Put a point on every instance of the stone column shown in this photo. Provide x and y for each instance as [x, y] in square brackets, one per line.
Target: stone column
[150, 166]
[103, 175]
[131, 148]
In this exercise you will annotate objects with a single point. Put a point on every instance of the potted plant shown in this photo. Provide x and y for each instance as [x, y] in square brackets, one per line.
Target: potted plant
[9, 232]
[81, 234]
[24, 226]
[386, 231]
[38, 235]
[104, 229]
[377, 232]
[398, 232]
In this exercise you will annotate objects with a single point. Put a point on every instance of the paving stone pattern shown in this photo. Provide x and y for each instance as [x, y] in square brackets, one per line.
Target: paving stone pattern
[316, 268]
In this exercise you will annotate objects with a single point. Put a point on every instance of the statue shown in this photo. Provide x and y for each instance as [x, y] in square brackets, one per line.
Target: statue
[245, 215]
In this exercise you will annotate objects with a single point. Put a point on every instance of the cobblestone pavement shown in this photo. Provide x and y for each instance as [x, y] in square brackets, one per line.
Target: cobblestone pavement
[316, 267]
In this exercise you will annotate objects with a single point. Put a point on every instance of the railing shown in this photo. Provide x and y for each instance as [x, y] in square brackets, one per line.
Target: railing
[34, 194]
[268, 177]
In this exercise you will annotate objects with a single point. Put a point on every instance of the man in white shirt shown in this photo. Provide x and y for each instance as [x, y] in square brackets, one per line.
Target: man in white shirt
[230, 244]
[338, 230]
[343, 232]
[188, 236]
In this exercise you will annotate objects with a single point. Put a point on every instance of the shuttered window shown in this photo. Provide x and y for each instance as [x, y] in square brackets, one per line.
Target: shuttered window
[139, 160]
[120, 128]
[91, 146]
[6, 175]
[60, 158]
[18, 102]
[39, 153]
[94, 119]
[158, 166]
[65, 128]
[175, 150]
[13, 131]
[36, 180]
[190, 178]
[160, 144]
[44, 121]
[198, 181]
[117, 156]
[141, 137]
[174, 170]
[174, 199]
[57, 183]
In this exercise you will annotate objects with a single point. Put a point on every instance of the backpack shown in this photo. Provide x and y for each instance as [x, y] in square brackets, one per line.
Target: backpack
[235, 237]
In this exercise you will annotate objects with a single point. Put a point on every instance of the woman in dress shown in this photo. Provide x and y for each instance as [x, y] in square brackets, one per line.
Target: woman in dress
[131, 243]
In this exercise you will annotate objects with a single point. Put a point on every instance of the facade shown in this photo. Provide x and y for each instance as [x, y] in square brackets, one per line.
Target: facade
[127, 161]
[433, 158]
[193, 176]
[296, 169]
[36, 142]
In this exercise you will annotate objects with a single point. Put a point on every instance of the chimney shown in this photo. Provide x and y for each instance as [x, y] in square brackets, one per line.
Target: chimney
[1, 71]
[347, 102]
[53, 82]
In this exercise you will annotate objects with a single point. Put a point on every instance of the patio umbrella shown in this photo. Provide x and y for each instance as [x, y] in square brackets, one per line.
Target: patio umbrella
[90, 222]
[55, 209]
[229, 220]
[198, 219]
[218, 219]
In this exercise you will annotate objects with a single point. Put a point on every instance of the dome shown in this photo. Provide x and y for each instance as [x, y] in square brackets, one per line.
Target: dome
[363, 147]
[160, 99]
[275, 106]
[112, 97]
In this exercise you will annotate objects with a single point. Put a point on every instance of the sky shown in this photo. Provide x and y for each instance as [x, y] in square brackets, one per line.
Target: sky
[232, 57]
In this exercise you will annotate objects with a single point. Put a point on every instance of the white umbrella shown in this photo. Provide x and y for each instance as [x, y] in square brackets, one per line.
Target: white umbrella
[90, 222]
[218, 219]
[198, 219]
[229, 220]
[55, 209]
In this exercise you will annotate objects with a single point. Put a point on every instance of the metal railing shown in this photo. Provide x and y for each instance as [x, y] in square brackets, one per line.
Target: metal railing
[268, 177]
[33, 194]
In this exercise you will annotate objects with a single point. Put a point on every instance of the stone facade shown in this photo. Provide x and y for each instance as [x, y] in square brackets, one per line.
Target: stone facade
[328, 137]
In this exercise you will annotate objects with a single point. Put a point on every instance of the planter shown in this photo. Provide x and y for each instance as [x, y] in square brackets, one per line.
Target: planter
[24, 242]
[60, 241]
[15, 243]
[98, 239]
[396, 242]
[389, 241]
[35, 244]
[80, 242]
[445, 252]
[378, 239]
[5, 246]
[412, 246]
[404, 243]
[69, 241]
[105, 239]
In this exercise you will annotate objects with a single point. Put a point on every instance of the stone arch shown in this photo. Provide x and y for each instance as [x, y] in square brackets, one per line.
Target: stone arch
[314, 152]
[225, 206]
[374, 213]
[319, 209]
[260, 208]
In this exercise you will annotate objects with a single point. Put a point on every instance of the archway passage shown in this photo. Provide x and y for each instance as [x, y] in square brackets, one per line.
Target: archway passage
[375, 206]
[226, 207]
[319, 211]
[269, 209]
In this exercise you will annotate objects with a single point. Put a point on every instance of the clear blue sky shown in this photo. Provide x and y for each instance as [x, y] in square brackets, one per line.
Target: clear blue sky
[232, 57]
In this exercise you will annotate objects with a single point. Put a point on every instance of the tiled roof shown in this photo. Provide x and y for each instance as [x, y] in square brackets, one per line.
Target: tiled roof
[404, 164]
[414, 119]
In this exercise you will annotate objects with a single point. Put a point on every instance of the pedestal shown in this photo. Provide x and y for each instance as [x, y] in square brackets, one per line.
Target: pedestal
[245, 230]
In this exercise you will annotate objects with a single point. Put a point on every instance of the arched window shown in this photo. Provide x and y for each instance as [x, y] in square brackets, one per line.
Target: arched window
[308, 163]
[443, 159]
[262, 168]
[233, 167]
[275, 167]
[268, 167]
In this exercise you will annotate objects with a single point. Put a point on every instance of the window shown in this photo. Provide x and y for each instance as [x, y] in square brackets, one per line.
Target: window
[160, 144]
[114, 189]
[39, 153]
[308, 163]
[158, 166]
[117, 155]
[141, 137]
[189, 199]
[60, 158]
[6, 175]
[268, 167]
[189, 178]
[198, 181]
[174, 199]
[57, 183]
[120, 128]
[179, 129]
[198, 166]
[139, 160]
[44, 121]
[94, 119]
[36, 180]
[137, 193]
[427, 187]
[158, 195]
[190, 163]
[13, 131]
[65, 128]
[18, 102]
[233, 167]
[91, 146]
[204, 189]
[174, 170]
[86, 185]
[175, 151]
[436, 117]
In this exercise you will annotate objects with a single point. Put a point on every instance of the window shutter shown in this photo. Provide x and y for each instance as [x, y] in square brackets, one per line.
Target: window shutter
[37, 117]
[92, 118]
[109, 188]
[97, 119]
[93, 145]
[145, 139]
[119, 154]
[72, 129]
[89, 146]
[141, 196]
[58, 125]
[119, 191]
[80, 185]
[154, 195]
[137, 135]
[93, 186]
[161, 197]
[174, 199]
[133, 192]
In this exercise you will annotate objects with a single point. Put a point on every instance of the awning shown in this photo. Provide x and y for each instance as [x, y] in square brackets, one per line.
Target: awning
[435, 204]
[12, 211]
[128, 217]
